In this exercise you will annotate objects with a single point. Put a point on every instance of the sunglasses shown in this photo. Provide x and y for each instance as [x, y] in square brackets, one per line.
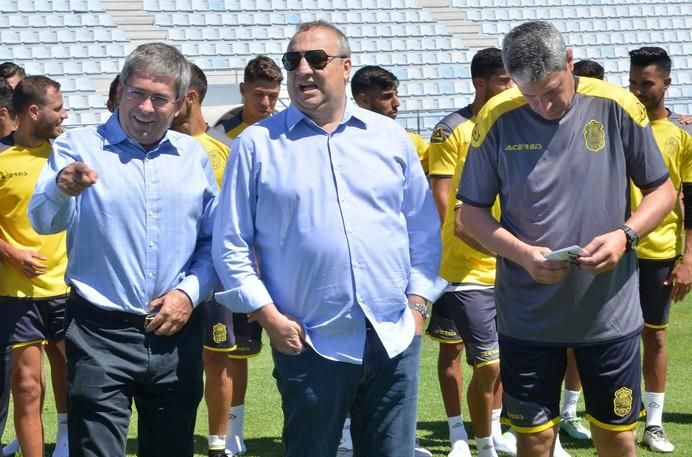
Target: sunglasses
[139, 96]
[316, 58]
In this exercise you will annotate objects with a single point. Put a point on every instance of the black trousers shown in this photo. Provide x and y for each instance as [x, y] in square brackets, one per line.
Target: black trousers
[110, 362]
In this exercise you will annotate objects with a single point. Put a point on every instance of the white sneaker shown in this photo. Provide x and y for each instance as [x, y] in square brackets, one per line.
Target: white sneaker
[460, 449]
[574, 427]
[11, 449]
[559, 451]
[421, 451]
[655, 439]
[506, 444]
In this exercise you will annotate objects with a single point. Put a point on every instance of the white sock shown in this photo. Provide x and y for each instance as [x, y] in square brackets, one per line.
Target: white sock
[653, 402]
[346, 442]
[569, 403]
[457, 432]
[485, 447]
[216, 442]
[234, 436]
[496, 426]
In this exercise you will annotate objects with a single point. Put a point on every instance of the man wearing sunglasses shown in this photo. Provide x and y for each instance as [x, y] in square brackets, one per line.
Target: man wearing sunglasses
[137, 201]
[332, 201]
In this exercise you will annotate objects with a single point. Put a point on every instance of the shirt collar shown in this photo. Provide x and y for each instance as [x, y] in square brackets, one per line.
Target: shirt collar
[353, 115]
[114, 134]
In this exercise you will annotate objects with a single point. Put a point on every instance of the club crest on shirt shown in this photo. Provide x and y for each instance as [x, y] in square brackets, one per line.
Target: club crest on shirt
[670, 147]
[219, 333]
[438, 135]
[622, 401]
[594, 136]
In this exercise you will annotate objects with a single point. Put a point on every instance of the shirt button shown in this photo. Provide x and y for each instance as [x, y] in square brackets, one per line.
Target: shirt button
[152, 244]
[150, 274]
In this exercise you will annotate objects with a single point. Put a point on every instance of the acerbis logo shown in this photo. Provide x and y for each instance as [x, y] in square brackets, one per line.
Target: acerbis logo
[524, 147]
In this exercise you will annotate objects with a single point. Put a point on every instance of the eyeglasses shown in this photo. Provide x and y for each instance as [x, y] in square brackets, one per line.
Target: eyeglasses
[316, 58]
[139, 96]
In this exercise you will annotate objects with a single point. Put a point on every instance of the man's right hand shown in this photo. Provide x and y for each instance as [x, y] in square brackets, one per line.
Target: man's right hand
[542, 270]
[26, 261]
[285, 332]
[74, 178]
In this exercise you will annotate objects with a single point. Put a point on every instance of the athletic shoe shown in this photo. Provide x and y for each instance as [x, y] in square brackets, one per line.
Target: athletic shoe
[506, 444]
[574, 427]
[344, 452]
[655, 439]
[421, 451]
[460, 449]
[559, 451]
[220, 453]
[11, 449]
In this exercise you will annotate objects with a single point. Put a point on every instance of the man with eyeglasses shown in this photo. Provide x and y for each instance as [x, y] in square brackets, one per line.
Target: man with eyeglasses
[137, 201]
[326, 201]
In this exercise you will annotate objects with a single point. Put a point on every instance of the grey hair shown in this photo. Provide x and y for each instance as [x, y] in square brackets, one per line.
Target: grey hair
[344, 49]
[533, 50]
[158, 60]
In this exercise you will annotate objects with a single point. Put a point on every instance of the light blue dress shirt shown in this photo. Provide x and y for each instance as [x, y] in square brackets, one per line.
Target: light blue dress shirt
[143, 228]
[341, 225]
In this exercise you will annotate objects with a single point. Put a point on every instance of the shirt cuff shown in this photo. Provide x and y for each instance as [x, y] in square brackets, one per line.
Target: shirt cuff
[247, 298]
[53, 192]
[190, 285]
[428, 287]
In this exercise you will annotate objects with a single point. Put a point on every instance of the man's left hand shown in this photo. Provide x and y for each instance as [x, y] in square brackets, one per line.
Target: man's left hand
[606, 251]
[175, 308]
[681, 279]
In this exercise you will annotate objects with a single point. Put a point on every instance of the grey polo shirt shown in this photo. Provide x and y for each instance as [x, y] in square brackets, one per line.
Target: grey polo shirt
[562, 183]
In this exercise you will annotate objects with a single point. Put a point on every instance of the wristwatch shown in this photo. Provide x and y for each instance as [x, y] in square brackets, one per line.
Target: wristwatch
[421, 308]
[632, 237]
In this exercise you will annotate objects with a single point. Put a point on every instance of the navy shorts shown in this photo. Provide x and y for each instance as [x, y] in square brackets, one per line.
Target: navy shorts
[218, 326]
[654, 295]
[248, 337]
[31, 320]
[467, 316]
[532, 376]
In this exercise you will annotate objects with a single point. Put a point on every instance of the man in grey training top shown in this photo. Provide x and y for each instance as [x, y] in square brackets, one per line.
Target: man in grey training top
[560, 151]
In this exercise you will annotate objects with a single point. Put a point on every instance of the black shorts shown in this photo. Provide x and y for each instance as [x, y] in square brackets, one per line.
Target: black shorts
[654, 295]
[467, 316]
[218, 326]
[31, 320]
[532, 376]
[248, 337]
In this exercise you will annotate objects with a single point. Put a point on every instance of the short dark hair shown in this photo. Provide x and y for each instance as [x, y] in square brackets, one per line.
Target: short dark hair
[262, 68]
[32, 90]
[198, 81]
[486, 62]
[373, 77]
[589, 68]
[6, 97]
[113, 89]
[9, 69]
[651, 55]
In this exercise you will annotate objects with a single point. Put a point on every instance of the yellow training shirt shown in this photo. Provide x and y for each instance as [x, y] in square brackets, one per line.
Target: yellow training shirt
[461, 263]
[665, 241]
[450, 136]
[218, 151]
[421, 148]
[19, 171]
